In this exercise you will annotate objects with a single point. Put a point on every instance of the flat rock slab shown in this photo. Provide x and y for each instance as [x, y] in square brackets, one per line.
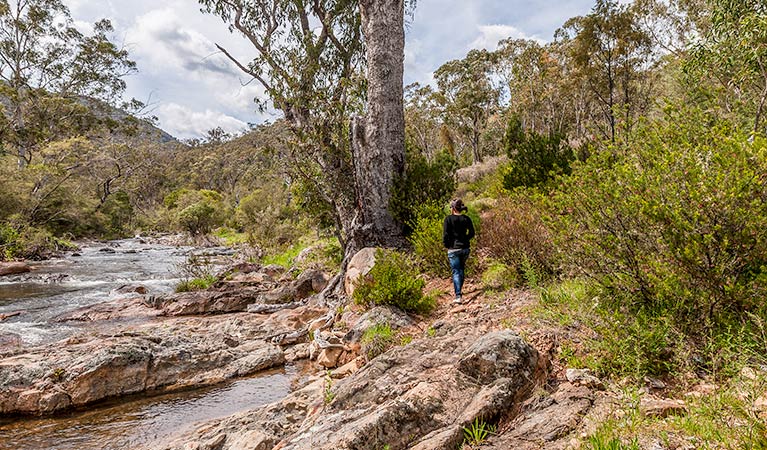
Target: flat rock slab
[161, 356]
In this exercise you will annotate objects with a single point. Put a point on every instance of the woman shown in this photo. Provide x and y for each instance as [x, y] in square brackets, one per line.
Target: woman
[457, 231]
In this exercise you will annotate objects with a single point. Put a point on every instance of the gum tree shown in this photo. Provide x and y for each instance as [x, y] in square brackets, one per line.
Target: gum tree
[347, 129]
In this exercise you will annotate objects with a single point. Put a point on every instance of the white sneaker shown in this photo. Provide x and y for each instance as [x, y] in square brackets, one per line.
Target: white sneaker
[458, 300]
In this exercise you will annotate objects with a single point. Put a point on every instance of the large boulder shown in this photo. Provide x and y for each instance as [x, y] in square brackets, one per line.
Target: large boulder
[502, 354]
[358, 267]
[13, 268]
[391, 315]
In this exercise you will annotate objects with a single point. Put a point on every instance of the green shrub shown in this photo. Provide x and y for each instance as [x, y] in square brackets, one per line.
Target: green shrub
[423, 183]
[196, 212]
[534, 159]
[393, 280]
[377, 339]
[196, 284]
[497, 276]
[27, 242]
[119, 213]
[675, 222]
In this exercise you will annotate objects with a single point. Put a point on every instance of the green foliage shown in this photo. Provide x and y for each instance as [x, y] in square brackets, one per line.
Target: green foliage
[499, 277]
[477, 432]
[600, 442]
[393, 280]
[119, 211]
[26, 242]
[676, 223]
[426, 239]
[196, 284]
[285, 258]
[377, 339]
[197, 212]
[422, 183]
[534, 158]
[327, 393]
[269, 216]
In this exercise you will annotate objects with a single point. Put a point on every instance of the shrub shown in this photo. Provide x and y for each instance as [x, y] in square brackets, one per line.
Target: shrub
[376, 340]
[196, 212]
[424, 182]
[196, 284]
[393, 280]
[534, 158]
[514, 234]
[497, 276]
[676, 222]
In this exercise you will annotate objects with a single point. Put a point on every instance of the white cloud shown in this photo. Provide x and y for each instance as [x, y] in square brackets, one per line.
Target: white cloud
[184, 122]
[490, 35]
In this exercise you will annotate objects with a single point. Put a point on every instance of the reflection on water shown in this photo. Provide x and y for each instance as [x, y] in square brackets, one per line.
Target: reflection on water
[143, 420]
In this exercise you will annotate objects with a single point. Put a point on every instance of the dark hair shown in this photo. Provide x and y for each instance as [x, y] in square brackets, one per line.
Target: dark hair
[457, 204]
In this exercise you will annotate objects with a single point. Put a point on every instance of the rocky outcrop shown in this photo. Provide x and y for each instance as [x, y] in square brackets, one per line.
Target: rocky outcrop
[13, 268]
[418, 396]
[168, 356]
[359, 266]
[236, 294]
[547, 420]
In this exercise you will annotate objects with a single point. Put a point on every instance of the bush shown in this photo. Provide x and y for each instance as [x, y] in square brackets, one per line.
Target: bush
[534, 158]
[28, 242]
[393, 281]
[514, 234]
[376, 340]
[196, 284]
[424, 183]
[676, 222]
[196, 212]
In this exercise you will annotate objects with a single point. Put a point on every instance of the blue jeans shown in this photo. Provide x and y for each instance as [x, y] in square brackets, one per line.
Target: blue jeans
[457, 261]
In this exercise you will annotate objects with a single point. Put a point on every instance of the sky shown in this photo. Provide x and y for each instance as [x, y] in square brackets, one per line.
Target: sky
[192, 88]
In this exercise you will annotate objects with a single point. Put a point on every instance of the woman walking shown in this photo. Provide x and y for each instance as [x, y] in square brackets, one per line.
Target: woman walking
[457, 231]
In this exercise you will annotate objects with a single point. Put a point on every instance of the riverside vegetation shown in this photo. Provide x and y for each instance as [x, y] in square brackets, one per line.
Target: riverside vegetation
[617, 176]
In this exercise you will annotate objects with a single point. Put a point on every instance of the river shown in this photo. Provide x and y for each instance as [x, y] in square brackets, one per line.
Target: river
[59, 286]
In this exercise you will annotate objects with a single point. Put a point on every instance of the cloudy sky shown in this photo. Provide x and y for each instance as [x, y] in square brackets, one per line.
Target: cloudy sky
[191, 88]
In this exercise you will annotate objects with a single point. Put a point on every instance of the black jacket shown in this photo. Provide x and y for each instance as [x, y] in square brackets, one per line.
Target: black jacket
[457, 231]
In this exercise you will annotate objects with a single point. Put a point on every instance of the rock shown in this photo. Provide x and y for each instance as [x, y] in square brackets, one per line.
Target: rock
[122, 308]
[9, 315]
[497, 355]
[328, 357]
[273, 270]
[546, 420]
[411, 397]
[395, 317]
[297, 352]
[13, 268]
[651, 406]
[359, 266]
[206, 302]
[107, 250]
[131, 289]
[349, 368]
[172, 355]
[583, 377]
[9, 341]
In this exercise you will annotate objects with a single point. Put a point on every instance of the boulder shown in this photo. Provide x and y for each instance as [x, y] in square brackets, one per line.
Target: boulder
[652, 406]
[583, 377]
[358, 267]
[546, 420]
[501, 354]
[131, 307]
[13, 268]
[131, 289]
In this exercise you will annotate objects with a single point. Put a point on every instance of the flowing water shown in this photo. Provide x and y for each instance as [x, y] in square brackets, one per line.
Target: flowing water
[59, 286]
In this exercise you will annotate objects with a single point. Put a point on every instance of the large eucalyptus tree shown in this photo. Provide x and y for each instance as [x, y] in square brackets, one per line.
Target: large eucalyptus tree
[334, 69]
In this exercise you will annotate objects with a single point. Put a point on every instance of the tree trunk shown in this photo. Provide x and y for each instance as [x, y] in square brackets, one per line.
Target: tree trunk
[379, 140]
